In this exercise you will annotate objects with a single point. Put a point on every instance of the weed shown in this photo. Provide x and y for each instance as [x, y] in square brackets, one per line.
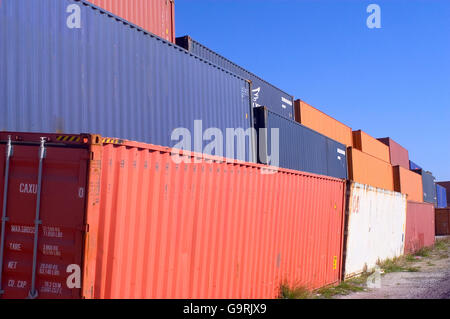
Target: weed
[424, 252]
[346, 287]
[298, 292]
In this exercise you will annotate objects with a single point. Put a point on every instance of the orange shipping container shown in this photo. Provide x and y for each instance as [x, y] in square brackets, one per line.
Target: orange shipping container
[409, 183]
[367, 144]
[320, 122]
[142, 226]
[155, 16]
[367, 169]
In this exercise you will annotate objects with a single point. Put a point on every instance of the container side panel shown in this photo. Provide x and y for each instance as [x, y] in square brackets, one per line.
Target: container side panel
[398, 154]
[420, 227]
[155, 16]
[369, 145]
[442, 222]
[212, 230]
[446, 185]
[263, 93]
[375, 228]
[318, 121]
[409, 183]
[369, 170]
[297, 147]
[112, 79]
[441, 195]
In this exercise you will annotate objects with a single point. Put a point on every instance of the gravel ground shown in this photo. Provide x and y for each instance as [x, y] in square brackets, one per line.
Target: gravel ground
[432, 281]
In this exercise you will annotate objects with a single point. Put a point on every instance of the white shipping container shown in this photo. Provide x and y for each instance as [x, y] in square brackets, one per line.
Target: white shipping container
[376, 220]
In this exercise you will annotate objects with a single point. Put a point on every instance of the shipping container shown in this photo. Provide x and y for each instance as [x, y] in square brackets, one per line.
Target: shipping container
[413, 166]
[288, 144]
[420, 230]
[113, 79]
[144, 221]
[375, 227]
[446, 185]
[263, 93]
[320, 122]
[155, 16]
[429, 186]
[397, 153]
[442, 221]
[366, 169]
[409, 183]
[441, 196]
[369, 145]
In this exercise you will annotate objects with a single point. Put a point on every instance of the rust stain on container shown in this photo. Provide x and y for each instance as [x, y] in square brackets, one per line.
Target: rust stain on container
[442, 221]
[420, 229]
[366, 169]
[155, 16]
[143, 226]
[367, 144]
[318, 121]
[409, 183]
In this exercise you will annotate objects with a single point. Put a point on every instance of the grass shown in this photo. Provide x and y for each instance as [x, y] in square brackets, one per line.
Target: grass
[357, 284]
[298, 292]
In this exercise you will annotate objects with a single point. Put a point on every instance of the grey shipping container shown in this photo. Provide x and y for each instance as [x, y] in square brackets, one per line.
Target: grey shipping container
[263, 93]
[429, 186]
[299, 148]
[67, 66]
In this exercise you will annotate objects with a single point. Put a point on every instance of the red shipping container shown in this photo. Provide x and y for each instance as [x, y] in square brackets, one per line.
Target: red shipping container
[398, 154]
[155, 16]
[442, 221]
[140, 225]
[420, 230]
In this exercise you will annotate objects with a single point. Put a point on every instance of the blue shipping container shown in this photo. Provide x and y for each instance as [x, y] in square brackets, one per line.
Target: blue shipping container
[66, 66]
[413, 166]
[263, 93]
[429, 186]
[299, 147]
[441, 194]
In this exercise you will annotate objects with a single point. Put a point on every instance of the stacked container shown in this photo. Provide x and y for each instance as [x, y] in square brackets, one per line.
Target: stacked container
[441, 196]
[318, 121]
[155, 16]
[112, 79]
[142, 226]
[429, 186]
[446, 185]
[420, 228]
[286, 143]
[263, 93]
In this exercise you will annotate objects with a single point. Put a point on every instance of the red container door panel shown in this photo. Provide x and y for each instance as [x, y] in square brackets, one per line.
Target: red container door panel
[60, 236]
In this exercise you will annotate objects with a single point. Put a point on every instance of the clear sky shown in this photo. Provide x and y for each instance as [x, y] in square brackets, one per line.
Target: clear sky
[393, 81]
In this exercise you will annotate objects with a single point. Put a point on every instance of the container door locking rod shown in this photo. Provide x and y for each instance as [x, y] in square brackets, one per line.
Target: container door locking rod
[33, 294]
[9, 152]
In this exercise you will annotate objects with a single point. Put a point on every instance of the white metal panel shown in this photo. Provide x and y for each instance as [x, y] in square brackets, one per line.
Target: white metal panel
[375, 227]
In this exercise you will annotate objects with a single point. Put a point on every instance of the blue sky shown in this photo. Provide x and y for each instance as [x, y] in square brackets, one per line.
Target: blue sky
[393, 81]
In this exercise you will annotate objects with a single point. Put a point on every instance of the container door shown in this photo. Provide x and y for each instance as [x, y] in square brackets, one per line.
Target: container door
[59, 220]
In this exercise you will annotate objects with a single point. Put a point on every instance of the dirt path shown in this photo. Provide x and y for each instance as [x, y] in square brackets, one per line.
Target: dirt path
[430, 280]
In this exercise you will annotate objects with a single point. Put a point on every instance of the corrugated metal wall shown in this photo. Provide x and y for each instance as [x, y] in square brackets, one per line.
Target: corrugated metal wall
[107, 77]
[429, 186]
[300, 148]
[441, 196]
[442, 221]
[369, 145]
[419, 226]
[156, 16]
[316, 120]
[263, 93]
[207, 230]
[398, 154]
[409, 183]
[375, 227]
[446, 185]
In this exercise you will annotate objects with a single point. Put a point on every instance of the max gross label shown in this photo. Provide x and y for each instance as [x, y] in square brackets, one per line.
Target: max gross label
[241, 310]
